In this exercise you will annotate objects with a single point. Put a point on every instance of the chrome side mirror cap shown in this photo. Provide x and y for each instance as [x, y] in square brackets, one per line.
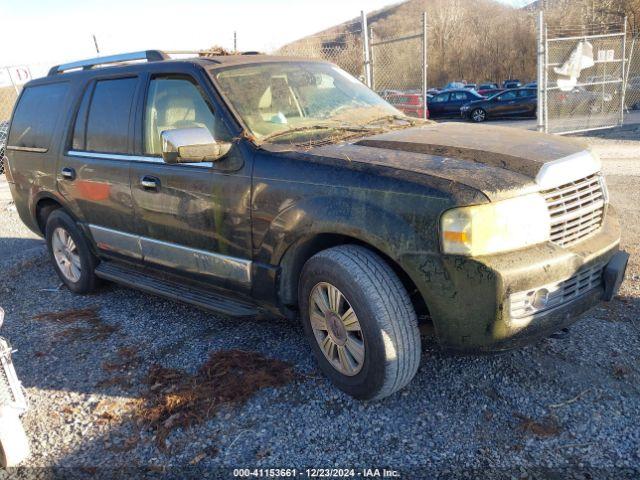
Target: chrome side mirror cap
[192, 145]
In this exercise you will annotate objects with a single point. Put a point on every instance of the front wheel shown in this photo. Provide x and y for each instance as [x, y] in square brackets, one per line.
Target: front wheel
[14, 446]
[478, 115]
[360, 322]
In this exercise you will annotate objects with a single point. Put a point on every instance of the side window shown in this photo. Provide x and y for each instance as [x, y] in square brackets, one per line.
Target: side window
[443, 97]
[172, 103]
[36, 116]
[458, 96]
[507, 96]
[106, 128]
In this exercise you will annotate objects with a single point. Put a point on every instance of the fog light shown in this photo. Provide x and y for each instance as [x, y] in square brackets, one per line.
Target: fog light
[540, 299]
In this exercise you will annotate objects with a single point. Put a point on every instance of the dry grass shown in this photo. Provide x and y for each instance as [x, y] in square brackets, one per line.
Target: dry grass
[80, 324]
[175, 399]
[547, 427]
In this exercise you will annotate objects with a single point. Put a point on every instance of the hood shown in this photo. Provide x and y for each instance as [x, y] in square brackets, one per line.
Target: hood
[501, 162]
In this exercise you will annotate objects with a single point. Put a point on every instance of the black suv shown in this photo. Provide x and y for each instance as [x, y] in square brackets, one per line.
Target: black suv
[252, 183]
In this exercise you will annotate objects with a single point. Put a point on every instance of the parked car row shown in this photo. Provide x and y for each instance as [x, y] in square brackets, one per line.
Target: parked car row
[468, 103]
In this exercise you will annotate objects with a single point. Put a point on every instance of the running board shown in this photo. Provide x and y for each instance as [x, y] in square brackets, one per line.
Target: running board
[150, 283]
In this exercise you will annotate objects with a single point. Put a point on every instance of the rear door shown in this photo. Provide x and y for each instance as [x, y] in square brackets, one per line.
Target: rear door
[456, 101]
[93, 172]
[528, 99]
[195, 217]
[437, 105]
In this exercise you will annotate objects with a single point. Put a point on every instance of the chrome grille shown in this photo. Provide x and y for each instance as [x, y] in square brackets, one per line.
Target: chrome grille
[576, 209]
[527, 303]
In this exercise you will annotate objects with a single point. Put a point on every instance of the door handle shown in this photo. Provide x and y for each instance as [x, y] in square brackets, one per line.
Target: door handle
[68, 173]
[150, 183]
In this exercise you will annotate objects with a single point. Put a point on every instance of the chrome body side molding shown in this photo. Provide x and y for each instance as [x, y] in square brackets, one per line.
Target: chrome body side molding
[116, 241]
[130, 158]
[236, 271]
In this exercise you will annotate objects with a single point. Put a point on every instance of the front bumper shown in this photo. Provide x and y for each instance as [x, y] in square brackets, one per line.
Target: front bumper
[469, 299]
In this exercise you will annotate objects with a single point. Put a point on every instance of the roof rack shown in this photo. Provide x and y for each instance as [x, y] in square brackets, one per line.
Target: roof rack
[148, 55]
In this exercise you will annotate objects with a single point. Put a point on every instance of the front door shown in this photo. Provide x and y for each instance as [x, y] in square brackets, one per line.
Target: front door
[194, 218]
[506, 104]
[93, 173]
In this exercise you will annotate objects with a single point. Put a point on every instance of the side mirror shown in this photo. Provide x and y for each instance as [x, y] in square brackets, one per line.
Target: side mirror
[192, 145]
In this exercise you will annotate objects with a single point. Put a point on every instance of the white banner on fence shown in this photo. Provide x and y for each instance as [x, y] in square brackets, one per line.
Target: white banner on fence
[18, 75]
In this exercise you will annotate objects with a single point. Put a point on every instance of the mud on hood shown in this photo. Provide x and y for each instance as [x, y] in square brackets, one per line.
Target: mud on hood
[501, 162]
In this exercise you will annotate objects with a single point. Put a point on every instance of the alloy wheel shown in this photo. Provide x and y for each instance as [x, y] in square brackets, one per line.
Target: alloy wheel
[66, 254]
[479, 115]
[337, 329]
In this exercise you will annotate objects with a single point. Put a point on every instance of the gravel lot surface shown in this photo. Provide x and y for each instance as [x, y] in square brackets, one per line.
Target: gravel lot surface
[572, 402]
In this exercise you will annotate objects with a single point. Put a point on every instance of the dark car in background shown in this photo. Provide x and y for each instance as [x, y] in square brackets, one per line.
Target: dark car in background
[632, 99]
[520, 102]
[448, 103]
[509, 84]
[486, 89]
[409, 103]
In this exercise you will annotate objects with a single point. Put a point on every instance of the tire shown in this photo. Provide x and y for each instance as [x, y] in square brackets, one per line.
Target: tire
[388, 338]
[14, 445]
[76, 270]
[478, 115]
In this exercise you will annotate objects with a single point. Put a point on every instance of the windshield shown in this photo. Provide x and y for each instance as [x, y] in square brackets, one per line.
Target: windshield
[282, 98]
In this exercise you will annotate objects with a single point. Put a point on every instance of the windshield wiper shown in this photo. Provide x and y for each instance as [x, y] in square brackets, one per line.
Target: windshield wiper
[312, 127]
[389, 118]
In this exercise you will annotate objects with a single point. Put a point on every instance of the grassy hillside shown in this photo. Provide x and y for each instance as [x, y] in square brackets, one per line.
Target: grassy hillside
[474, 40]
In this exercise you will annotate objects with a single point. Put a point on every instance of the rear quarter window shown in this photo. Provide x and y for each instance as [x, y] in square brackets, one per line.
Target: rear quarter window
[36, 116]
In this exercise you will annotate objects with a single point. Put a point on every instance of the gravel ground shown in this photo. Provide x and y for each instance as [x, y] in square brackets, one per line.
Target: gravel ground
[558, 404]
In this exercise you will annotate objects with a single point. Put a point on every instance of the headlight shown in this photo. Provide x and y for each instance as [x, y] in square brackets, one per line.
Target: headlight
[496, 227]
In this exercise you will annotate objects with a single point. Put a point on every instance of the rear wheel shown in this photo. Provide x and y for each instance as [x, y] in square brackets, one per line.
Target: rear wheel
[478, 115]
[360, 322]
[69, 249]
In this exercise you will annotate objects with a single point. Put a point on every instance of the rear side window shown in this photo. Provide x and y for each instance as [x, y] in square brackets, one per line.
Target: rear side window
[36, 116]
[106, 125]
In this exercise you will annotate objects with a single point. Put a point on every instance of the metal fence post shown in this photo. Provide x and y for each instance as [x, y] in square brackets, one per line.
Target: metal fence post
[541, 73]
[625, 73]
[15, 87]
[372, 58]
[365, 41]
[424, 64]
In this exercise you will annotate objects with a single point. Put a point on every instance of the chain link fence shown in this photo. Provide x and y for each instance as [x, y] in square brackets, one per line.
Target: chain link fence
[345, 50]
[583, 78]
[632, 81]
[397, 64]
[393, 67]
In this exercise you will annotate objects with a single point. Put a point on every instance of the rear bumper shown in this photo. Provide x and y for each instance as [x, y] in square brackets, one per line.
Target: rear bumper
[470, 299]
